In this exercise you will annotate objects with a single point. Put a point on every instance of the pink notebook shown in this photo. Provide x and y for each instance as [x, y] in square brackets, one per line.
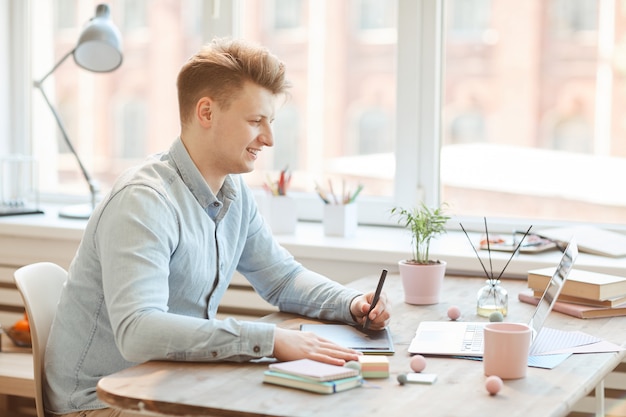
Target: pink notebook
[313, 370]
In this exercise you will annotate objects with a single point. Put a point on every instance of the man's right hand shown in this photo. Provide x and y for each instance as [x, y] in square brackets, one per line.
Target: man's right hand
[294, 344]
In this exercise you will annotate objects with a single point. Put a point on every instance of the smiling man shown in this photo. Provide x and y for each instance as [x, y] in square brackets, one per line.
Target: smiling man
[160, 250]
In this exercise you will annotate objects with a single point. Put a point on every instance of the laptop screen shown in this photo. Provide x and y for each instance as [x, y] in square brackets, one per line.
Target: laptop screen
[553, 290]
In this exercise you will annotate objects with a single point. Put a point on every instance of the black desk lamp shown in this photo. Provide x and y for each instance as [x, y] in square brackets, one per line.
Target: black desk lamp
[99, 49]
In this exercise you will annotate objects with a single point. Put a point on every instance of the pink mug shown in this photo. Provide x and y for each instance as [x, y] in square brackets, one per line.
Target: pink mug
[506, 349]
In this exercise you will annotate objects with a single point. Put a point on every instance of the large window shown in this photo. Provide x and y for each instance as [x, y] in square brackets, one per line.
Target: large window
[341, 58]
[534, 100]
[500, 108]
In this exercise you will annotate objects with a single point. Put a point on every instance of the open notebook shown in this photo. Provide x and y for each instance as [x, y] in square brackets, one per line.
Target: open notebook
[452, 338]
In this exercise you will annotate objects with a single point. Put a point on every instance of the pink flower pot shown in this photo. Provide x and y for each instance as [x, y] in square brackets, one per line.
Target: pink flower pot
[422, 282]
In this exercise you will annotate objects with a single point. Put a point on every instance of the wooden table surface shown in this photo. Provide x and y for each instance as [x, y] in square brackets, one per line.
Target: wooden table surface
[234, 389]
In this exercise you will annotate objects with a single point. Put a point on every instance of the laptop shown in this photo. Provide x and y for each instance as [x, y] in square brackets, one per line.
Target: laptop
[457, 338]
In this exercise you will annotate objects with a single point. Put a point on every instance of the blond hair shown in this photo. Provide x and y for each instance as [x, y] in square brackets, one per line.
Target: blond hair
[220, 69]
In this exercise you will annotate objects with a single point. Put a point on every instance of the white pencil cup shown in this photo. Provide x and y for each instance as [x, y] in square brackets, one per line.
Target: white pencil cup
[340, 219]
[282, 214]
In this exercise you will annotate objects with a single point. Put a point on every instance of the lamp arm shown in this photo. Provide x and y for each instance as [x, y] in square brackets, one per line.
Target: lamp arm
[58, 64]
[93, 188]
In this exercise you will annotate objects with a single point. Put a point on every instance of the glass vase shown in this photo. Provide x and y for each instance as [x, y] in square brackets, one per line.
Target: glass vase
[492, 297]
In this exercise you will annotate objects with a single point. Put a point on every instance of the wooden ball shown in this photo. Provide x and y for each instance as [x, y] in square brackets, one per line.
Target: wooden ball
[493, 384]
[418, 363]
[402, 379]
[454, 312]
[496, 316]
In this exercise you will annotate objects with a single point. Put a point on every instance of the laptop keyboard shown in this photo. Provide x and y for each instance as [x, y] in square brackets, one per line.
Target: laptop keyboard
[473, 338]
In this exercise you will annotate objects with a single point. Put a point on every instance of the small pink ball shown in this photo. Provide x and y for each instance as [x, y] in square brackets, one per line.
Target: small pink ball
[454, 312]
[493, 384]
[418, 363]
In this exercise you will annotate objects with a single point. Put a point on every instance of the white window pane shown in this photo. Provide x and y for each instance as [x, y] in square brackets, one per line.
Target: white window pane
[114, 120]
[339, 123]
[533, 110]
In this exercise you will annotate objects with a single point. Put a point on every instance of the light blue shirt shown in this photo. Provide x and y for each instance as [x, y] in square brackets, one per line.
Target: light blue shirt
[156, 259]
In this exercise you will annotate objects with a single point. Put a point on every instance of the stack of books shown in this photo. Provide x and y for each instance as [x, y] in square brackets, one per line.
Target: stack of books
[585, 294]
[310, 375]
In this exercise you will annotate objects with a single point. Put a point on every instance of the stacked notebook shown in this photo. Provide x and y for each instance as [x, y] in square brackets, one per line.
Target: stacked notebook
[310, 375]
[585, 294]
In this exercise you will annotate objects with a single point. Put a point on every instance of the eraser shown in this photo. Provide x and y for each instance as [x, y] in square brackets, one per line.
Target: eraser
[420, 378]
[374, 360]
[374, 366]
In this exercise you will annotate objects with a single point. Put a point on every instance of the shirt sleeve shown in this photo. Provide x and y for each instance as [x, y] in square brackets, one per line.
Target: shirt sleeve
[282, 281]
[314, 295]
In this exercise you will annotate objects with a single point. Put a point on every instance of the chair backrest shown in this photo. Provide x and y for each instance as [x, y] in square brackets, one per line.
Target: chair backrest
[40, 285]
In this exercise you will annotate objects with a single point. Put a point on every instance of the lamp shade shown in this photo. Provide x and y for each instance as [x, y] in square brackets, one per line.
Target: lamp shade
[99, 48]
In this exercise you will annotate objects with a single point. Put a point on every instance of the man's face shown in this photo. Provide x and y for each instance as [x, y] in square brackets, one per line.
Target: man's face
[239, 132]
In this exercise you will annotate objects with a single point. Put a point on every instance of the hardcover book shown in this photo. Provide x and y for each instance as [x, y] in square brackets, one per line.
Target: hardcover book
[611, 302]
[578, 310]
[320, 387]
[581, 284]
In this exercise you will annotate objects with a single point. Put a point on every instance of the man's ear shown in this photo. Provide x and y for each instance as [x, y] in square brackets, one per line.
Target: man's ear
[204, 111]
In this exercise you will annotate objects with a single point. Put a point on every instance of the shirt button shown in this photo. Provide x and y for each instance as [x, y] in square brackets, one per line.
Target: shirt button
[257, 349]
[216, 204]
[214, 354]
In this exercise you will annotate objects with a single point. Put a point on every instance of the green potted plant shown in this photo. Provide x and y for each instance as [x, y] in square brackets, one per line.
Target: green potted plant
[422, 277]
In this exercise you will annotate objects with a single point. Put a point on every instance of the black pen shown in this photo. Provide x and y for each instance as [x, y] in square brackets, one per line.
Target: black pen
[379, 288]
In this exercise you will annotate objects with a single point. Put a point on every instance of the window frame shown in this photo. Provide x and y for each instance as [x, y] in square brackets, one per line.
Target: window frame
[17, 82]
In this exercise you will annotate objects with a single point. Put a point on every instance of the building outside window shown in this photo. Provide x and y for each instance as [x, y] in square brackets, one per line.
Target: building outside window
[527, 119]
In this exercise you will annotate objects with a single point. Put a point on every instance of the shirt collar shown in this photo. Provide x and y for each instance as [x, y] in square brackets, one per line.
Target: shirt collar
[192, 178]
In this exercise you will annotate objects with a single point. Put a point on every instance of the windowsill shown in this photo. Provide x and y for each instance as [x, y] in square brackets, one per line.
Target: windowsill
[388, 245]
[379, 246]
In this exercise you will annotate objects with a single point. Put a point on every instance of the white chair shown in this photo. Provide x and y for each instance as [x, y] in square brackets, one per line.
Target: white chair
[40, 285]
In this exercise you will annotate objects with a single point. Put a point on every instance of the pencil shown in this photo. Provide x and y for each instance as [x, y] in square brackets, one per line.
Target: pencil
[332, 193]
[321, 193]
[356, 194]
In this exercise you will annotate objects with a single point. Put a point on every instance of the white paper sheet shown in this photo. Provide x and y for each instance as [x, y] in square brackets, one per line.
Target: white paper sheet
[554, 340]
[599, 347]
[547, 361]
